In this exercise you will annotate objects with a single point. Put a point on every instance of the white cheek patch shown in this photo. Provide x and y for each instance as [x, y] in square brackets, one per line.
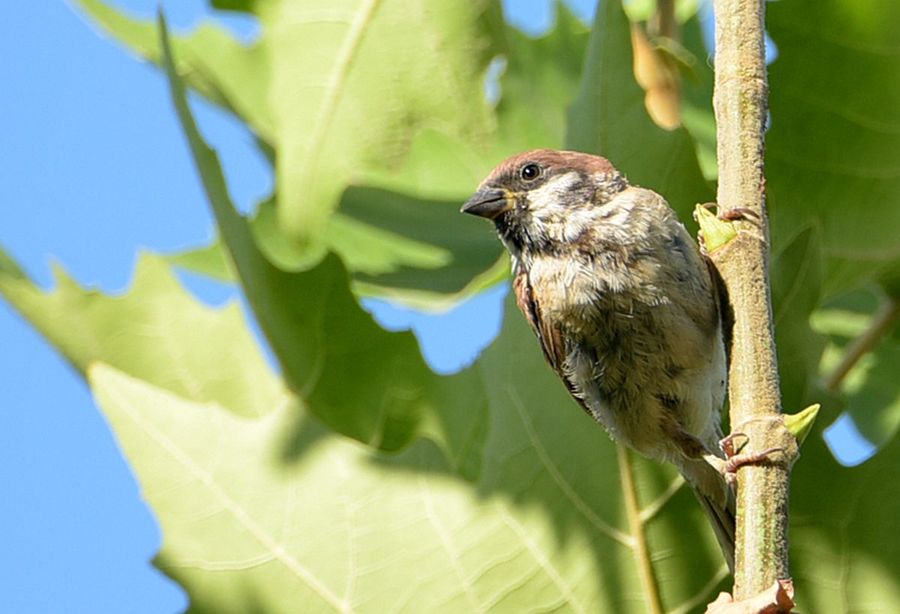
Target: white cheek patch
[577, 222]
[617, 212]
[561, 221]
[542, 201]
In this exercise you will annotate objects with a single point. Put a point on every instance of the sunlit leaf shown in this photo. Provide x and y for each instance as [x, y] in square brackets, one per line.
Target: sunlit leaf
[540, 524]
[156, 331]
[354, 81]
[358, 378]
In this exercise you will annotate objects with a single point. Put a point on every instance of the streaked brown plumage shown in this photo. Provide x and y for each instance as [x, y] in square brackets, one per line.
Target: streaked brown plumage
[624, 308]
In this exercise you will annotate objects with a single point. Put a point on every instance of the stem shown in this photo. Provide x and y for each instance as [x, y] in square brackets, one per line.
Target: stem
[636, 527]
[880, 325]
[740, 101]
[664, 22]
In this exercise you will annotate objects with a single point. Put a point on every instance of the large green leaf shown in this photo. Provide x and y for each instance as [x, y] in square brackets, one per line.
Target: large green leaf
[333, 525]
[834, 145]
[845, 553]
[398, 228]
[796, 280]
[342, 92]
[156, 331]
[539, 81]
[353, 81]
[358, 378]
[609, 118]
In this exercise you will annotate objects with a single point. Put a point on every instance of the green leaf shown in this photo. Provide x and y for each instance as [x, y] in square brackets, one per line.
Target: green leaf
[844, 555]
[696, 100]
[452, 257]
[448, 251]
[334, 525]
[358, 378]
[796, 286]
[245, 6]
[609, 118]
[211, 261]
[539, 81]
[354, 81]
[643, 10]
[156, 332]
[833, 149]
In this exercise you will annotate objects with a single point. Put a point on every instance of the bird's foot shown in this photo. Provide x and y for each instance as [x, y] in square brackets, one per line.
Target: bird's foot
[742, 214]
[737, 214]
[732, 464]
[735, 458]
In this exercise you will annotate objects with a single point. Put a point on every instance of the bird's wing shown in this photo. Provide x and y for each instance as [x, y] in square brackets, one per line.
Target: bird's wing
[550, 337]
[720, 294]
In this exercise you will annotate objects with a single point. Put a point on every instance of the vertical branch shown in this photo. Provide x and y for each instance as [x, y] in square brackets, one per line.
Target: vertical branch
[740, 102]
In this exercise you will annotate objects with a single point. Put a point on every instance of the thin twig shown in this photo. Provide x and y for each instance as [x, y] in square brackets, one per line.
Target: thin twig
[636, 527]
[881, 324]
[664, 20]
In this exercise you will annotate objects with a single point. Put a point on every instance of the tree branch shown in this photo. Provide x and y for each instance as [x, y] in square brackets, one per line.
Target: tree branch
[881, 324]
[740, 102]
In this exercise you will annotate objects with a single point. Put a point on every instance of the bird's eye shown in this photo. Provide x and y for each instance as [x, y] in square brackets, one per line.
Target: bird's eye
[530, 172]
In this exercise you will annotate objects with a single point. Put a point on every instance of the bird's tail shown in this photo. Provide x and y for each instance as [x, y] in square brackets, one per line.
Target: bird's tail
[716, 498]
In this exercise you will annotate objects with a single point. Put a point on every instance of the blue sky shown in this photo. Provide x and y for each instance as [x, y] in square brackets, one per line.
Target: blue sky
[94, 169]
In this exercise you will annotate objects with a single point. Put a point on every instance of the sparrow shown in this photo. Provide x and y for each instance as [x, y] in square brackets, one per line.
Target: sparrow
[625, 308]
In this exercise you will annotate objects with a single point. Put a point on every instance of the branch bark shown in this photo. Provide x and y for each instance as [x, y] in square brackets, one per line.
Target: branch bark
[740, 102]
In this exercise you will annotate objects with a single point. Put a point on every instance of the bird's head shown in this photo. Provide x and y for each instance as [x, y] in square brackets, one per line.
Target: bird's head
[544, 201]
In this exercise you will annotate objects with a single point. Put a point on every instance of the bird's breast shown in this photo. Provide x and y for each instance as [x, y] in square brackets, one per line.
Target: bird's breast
[567, 288]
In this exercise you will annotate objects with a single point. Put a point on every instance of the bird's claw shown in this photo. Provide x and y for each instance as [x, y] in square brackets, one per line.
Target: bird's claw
[727, 444]
[735, 459]
[744, 214]
[733, 463]
[736, 214]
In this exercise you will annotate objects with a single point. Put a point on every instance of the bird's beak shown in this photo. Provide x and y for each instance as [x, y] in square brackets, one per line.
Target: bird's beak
[488, 202]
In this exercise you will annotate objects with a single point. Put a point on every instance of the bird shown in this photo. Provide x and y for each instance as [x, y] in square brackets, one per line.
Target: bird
[625, 307]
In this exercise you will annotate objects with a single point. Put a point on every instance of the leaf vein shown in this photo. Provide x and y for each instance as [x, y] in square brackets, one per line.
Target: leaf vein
[564, 486]
[275, 549]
